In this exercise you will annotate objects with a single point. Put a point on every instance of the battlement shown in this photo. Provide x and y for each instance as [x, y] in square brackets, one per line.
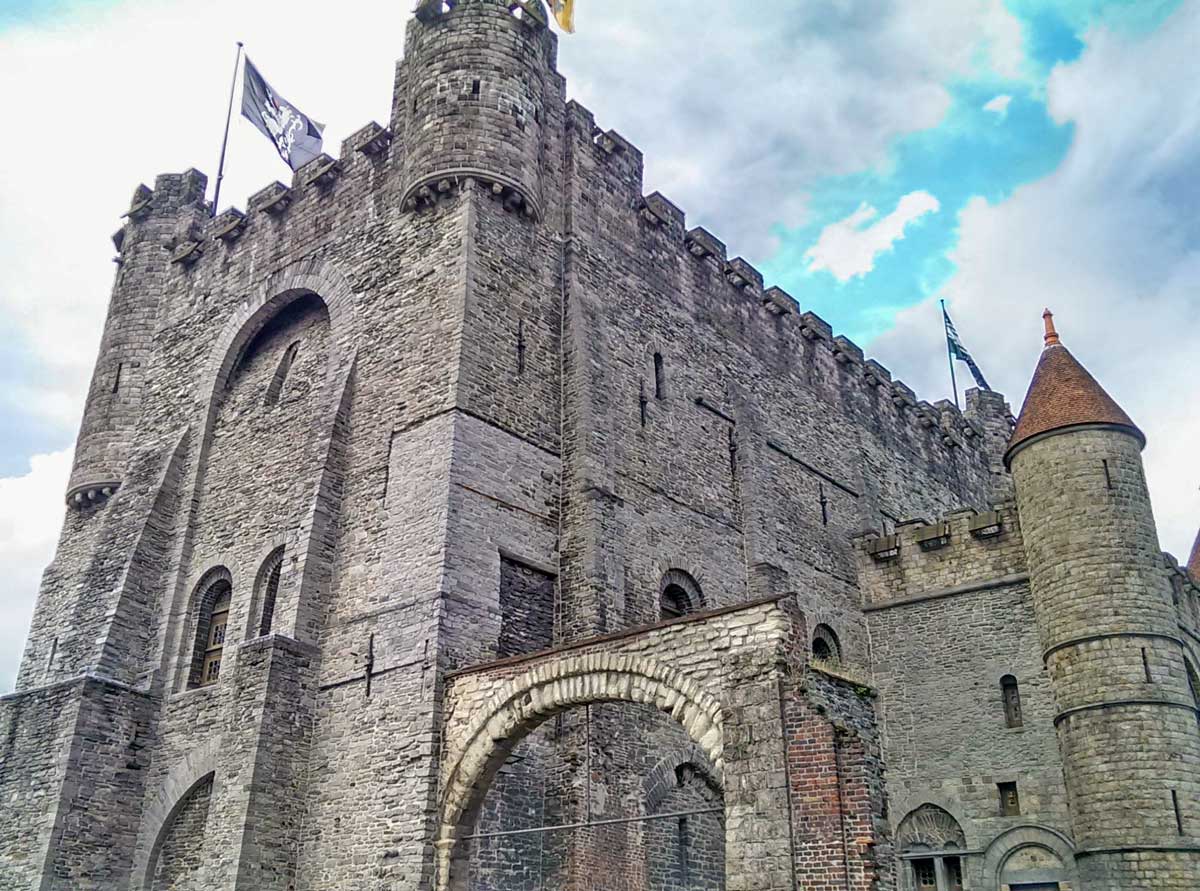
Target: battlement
[924, 559]
[427, 156]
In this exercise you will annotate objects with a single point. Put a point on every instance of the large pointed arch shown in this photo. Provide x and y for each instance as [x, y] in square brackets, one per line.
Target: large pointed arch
[313, 277]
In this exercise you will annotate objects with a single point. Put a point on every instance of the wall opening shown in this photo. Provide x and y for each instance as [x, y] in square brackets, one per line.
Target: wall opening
[679, 594]
[1010, 693]
[526, 608]
[212, 617]
[279, 380]
[825, 646]
[592, 793]
[1010, 799]
[929, 840]
[262, 617]
[179, 852]
[660, 377]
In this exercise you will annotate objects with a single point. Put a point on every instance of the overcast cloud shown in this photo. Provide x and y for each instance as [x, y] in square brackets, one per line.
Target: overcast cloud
[742, 111]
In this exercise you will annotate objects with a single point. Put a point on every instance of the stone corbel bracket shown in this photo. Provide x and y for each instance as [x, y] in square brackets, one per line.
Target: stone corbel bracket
[321, 172]
[229, 226]
[371, 140]
[92, 494]
[273, 200]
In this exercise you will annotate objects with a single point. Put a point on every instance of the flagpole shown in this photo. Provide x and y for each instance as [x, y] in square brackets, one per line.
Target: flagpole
[225, 139]
[949, 354]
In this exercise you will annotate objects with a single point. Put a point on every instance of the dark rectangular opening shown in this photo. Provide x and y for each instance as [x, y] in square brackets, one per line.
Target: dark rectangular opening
[526, 609]
[1010, 800]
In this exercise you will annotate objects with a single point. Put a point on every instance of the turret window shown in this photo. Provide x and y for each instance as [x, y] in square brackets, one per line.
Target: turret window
[660, 377]
[1010, 692]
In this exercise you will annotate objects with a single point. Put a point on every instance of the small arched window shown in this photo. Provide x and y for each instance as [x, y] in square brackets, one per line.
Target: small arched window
[675, 602]
[1011, 694]
[825, 646]
[660, 377]
[679, 594]
[275, 388]
[212, 619]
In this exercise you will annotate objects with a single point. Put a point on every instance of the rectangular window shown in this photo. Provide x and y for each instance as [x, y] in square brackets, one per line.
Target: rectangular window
[954, 879]
[526, 609]
[212, 667]
[1010, 800]
[924, 875]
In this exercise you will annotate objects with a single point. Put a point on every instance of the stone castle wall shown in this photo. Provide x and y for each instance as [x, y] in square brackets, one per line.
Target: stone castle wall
[478, 397]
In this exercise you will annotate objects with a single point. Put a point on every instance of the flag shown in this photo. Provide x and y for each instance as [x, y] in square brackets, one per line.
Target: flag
[564, 14]
[296, 136]
[958, 351]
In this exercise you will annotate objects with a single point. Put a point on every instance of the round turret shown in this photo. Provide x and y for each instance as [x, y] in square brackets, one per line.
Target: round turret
[1125, 717]
[114, 399]
[474, 98]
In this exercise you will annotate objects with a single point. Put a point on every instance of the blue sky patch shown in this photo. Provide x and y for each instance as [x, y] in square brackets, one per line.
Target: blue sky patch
[972, 152]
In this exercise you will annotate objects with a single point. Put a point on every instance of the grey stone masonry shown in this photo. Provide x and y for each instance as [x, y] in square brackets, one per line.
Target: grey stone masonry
[1109, 629]
[457, 515]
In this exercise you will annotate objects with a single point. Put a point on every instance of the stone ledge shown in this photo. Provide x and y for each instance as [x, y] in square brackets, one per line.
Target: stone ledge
[1006, 581]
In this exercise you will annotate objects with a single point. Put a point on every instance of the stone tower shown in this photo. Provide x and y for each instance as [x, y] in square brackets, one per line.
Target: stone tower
[456, 517]
[1110, 634]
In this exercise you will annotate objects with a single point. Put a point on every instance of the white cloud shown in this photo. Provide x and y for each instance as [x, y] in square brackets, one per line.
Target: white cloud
[31, 513]
[1111, 242]
[848, 248]
[998, 105]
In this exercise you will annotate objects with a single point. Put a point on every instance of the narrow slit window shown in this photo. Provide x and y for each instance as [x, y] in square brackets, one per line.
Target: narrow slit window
[642, 401]
[275, 389]
[117, 377]
[1108, 482]
[270, 592]
[1146, 666]
[475, 88]
[1011, 694]
[1178, 812]
[520, 346]
[660, 377]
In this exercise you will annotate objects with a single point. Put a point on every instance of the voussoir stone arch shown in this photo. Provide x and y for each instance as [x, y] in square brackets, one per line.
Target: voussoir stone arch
[312, 277]
[196, 766]
[1007, 843]
[522, 703]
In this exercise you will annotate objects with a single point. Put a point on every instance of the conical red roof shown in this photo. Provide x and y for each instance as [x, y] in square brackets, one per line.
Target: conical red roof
[1193, 565]
[1063, 394]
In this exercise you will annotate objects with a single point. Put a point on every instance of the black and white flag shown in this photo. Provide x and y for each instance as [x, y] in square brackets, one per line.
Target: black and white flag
[958, 351]
[296, 136]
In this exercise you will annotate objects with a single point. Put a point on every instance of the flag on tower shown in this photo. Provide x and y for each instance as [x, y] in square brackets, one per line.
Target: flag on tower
[958, 351]
[564, 13]
[297, 137]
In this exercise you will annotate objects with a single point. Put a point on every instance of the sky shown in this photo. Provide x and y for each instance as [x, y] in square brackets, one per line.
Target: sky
[871, 157]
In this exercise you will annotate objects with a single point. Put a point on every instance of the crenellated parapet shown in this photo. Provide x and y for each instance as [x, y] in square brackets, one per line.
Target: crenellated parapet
[785, 326]
[926, 559]
[476, 76]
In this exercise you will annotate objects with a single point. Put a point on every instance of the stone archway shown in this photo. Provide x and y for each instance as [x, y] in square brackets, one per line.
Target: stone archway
[522, 703]
[1029, 853]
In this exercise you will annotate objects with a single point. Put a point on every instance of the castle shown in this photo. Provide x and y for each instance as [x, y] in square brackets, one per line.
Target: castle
[457, 518]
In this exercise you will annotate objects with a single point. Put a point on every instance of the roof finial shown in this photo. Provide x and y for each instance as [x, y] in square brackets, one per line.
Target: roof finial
[1051, 334]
